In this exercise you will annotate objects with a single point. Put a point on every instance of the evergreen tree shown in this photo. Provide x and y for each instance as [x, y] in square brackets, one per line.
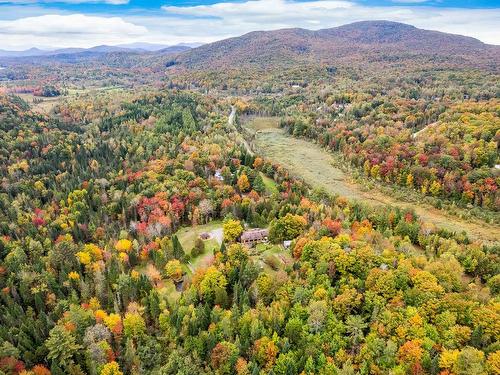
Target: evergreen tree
[178, 251]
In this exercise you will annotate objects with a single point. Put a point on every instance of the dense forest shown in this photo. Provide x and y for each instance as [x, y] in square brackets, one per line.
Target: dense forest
[408, 131]
[95, 280]
[142, 233]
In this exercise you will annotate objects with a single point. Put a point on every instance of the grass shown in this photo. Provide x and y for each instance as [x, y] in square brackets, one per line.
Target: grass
[188, 235]
[255, 124]
[269, 183]
[317, 167]
[264, 254]
[46, 104]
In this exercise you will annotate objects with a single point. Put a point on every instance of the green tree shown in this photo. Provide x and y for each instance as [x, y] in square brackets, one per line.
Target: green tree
[178, 251]
[287, 228]
[62, 347]
[134, 325]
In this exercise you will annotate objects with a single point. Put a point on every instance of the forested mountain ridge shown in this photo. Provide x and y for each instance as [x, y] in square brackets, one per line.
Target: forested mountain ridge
[360, 43]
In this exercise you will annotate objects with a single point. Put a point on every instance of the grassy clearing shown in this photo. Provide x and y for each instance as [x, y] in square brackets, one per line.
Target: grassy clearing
[317, 167]
[255, 124]
[45, 105]
[269, 183]
[187, 236]
[271, 258]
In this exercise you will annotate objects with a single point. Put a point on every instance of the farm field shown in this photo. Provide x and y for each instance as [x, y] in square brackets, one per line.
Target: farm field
[316, 166]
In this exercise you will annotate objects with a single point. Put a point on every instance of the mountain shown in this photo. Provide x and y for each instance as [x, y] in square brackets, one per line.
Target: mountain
[378, 42]
[143, 46]
[174, 49]
[102, 49]
[28, 52]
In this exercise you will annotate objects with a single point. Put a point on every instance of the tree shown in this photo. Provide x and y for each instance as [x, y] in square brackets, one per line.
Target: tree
[409, 180]
[199, 248]
[134, 325]
[243, 183]
[470, 361]
[232, 229]
[223, 357]
[265, 351]
[62, 347]
[258, 163]
[286, 364]
[287, 228]
[111, 368]
[173, 270]
[213, 280]
[493, 363]
[178, 251]
[123, 245]
[355, 325]
[265, 287]
[258, 184]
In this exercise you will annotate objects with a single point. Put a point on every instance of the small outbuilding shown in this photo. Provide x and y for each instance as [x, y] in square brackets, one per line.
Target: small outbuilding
[205, 236]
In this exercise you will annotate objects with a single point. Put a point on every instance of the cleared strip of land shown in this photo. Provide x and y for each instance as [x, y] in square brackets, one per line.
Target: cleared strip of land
[315, 165]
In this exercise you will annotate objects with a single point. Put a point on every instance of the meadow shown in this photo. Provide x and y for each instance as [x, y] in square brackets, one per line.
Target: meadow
[318, 167]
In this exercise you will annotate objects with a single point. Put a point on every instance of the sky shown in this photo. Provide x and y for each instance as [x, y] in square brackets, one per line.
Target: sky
[49, 24]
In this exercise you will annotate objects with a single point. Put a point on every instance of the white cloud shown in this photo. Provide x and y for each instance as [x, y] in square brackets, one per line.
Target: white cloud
[67, 31]
[207, 23]
[237, 18]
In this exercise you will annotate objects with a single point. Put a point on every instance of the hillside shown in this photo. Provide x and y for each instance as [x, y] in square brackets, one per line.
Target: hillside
[357, 43]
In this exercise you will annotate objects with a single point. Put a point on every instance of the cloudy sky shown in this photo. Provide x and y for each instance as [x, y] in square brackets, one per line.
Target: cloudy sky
[86, 23]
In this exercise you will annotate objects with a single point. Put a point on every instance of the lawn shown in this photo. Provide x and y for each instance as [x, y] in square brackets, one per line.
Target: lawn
[271, 257]
[254, 124]
[188, 235]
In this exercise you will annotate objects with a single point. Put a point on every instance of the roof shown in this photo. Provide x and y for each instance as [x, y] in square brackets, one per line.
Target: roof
[254, 234]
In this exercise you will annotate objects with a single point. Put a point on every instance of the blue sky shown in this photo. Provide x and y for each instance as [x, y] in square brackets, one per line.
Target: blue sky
[85, 23]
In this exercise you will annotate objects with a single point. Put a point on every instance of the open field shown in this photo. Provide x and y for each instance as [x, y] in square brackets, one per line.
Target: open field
[187, 236]
[316, 166]
[45, 105]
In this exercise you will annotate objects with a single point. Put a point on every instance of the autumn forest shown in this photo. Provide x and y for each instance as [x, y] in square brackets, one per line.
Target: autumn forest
[145, 229]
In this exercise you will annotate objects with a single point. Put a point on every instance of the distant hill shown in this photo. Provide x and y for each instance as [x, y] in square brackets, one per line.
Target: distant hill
[151, 47]
[103, 49]
[381, 42]
[28, 52]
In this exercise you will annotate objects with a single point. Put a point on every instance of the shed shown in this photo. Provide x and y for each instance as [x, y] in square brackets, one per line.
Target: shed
[205, 236]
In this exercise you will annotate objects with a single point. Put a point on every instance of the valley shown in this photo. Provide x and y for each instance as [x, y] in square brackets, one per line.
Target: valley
[285, 202]
[315, 165]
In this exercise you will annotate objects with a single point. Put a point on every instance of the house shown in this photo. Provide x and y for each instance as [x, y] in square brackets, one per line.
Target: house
[252, 237]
